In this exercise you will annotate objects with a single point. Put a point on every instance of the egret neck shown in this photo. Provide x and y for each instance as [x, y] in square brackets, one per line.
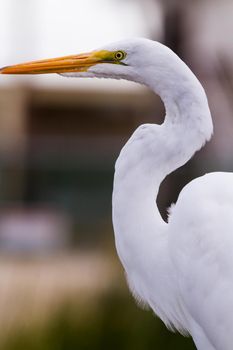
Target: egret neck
[152, 152]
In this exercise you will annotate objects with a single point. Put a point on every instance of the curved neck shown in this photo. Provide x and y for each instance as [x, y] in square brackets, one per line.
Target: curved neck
[154, 151]
[149, 156]
[188, 123]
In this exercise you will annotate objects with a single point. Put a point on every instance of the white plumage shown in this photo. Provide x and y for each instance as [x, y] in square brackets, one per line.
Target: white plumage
[182, 269]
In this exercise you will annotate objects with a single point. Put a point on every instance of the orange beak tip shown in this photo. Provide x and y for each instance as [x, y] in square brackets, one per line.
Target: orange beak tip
[5, 70]
[2, 70]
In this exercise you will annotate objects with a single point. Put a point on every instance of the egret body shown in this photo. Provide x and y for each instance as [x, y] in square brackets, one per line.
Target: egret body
[183, 268]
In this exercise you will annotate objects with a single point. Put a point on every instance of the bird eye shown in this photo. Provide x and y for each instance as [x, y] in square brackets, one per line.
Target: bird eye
[119, 55]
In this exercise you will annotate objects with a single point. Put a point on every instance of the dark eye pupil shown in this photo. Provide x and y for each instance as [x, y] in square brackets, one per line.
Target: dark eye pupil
[119, 55]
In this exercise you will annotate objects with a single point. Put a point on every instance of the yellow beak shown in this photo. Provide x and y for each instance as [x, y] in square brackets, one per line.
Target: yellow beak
[75, 63]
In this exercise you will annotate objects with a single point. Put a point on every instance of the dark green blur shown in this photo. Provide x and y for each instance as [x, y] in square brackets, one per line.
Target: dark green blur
[116, 324]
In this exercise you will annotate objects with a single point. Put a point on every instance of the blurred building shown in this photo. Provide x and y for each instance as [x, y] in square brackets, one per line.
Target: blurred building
[58, 144]
[59, 138]
[58, 150]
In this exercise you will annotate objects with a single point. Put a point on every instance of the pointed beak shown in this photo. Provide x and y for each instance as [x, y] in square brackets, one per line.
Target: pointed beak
[67, 64]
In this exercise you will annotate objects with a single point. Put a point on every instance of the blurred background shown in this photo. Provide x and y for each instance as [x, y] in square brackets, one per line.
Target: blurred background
[61, 284]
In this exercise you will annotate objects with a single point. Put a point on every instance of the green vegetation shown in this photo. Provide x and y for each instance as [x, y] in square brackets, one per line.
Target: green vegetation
[115, 323]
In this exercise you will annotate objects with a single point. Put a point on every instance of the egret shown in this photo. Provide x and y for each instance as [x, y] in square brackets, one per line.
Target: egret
[182, 268]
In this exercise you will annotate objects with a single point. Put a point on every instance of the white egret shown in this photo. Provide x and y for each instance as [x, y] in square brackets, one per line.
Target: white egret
[183, 268]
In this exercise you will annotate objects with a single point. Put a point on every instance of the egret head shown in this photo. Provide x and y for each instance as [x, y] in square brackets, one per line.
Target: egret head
[127, 59]
[140, 60]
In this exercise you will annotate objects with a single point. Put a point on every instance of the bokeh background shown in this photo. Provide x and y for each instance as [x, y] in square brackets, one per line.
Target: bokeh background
[61, 285]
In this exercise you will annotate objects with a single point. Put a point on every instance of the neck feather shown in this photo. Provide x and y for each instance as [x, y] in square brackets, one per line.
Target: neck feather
[149, 156]
[154, 151]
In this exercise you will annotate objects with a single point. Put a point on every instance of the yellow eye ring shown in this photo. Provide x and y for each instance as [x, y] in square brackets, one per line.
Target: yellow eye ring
[119, 55]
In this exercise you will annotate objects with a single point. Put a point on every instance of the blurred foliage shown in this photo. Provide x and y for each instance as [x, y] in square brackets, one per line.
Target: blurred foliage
[116, 323]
